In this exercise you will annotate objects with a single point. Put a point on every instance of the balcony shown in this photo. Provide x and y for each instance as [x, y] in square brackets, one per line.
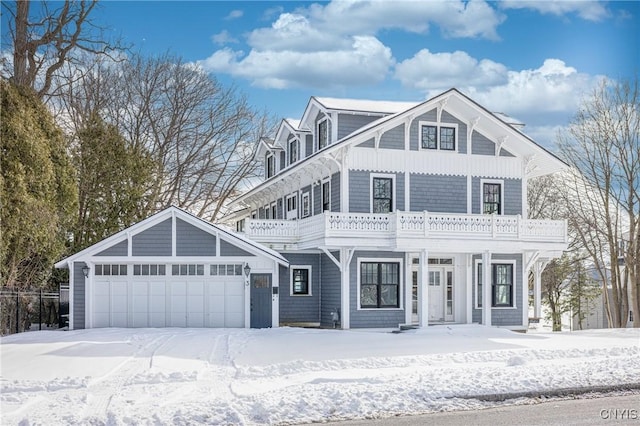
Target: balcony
[405, 229]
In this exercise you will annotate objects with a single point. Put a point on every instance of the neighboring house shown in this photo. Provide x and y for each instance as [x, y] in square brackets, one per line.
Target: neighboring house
[397, 213]
[375, 214]
[173, 270]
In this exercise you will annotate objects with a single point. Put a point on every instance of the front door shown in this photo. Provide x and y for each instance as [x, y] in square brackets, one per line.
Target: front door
[260, 300]
[436, 311]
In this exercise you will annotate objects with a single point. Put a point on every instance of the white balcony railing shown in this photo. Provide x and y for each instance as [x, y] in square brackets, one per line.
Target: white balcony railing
[406, 225]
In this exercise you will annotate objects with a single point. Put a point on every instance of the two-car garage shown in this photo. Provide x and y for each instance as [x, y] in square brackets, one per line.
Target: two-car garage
[174, 270]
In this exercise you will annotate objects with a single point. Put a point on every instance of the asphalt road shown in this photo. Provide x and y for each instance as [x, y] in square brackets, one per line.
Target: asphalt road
[587, 410]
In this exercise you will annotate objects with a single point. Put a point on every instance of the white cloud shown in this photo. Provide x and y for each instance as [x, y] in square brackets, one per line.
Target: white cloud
[234, 14]
[440, 71]
[223, 37]
[588, 10]
[287, 68]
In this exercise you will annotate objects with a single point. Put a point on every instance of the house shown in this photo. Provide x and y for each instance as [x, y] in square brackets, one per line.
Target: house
[173, 270]
[395, 213]
[371, 214]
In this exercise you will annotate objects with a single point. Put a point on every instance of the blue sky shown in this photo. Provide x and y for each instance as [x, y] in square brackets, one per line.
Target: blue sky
[530, 59]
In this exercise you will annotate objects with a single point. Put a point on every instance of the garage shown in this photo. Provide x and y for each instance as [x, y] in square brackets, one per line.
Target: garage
[173, 270]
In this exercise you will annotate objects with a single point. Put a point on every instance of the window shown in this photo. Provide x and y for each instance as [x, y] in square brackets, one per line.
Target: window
[501, 285]
[379, 285]
[274, 211]
[149, 269]
[429, 137]
[293, 151]
[448, 138]
[300, 279]
[382, 197]
[110, 269]
[271, 165]
[323, 133]
[229, 270]
[292, 202]
[491, 198]
[187, 269]
[267, 212]
[326, 196]
[306, 205]
[240, 225]
[435, 136]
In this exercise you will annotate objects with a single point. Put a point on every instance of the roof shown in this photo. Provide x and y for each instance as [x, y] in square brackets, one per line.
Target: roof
[163, 215]
[364, 105]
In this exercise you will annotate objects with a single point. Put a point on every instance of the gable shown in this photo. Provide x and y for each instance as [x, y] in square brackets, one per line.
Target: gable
[154, 241]
[193, 241]
[119, 249]
[228, 249]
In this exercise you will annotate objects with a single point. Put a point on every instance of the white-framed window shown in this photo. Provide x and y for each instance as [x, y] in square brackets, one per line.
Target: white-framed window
[274, 211]
[379, 283]
[326, 195]
[240, 225]
[104, 269]
[267, 212]
[306, 204]
[254, 214]
[502, 283]
[150, 269]
[270, 167]
[438, 136]
[323, 133]
[382, 193]
[225, 270]
[187, 269]
[300, 280]
[292, 206]
[293, 151]
[492, 196]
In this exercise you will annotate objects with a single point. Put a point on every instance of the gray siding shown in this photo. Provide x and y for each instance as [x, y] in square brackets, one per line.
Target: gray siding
[512, 203]
[360, 191]
[155, 241]
[502, 316]
[78, 296]
[297, 309]
[369, 143]
[482, 145]
[317, 198]
[228, 249]
[193, 241]
[283, 160]
[308, 145]
[335, 192]
[349, 123]
[119, 249]
[330, 295]
[505, 153]
[393, 139]
[374, 318]
[414, 131]
[437, 193]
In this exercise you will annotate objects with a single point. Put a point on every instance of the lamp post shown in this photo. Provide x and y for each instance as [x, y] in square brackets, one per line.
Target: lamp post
[247, 272]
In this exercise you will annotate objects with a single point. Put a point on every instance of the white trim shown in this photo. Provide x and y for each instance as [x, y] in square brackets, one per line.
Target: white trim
[438, 126]
[307, 267]
[513, 262]
[501, 183]
[294, 141]
[293, 213]
[400, 262]
[71, 298]
[316, 138]
[393, 189]
[266, 165]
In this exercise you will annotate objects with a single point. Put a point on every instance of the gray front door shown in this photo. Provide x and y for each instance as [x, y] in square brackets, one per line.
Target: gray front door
[260, 300]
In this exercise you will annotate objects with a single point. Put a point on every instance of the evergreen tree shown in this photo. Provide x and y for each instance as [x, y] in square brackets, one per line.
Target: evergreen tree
[38, 194]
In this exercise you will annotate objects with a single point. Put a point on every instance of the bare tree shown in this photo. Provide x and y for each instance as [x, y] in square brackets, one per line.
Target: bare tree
[603, 146]
[202, 134]
[47, 37]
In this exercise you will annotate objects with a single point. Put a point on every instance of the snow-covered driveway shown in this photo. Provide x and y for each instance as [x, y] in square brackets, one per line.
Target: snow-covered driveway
[289, 375]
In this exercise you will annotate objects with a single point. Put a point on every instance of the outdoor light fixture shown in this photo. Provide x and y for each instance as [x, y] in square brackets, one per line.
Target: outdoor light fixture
[247, 270]
[85, 271]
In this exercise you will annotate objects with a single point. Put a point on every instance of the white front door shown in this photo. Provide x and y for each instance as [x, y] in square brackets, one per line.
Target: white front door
[436, 308]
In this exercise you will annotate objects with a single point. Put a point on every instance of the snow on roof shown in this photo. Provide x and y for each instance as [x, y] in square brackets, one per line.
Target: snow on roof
[364, 105]
[508, 119]
[293, 123]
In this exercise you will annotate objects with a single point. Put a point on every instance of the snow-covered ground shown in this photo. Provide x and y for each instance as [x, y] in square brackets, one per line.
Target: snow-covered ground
[290, 375]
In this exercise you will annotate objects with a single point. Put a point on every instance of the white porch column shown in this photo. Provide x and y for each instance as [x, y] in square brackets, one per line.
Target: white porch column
[408, 289]
[275, 298]
[423, 289]
[345, 305]
[486, 288]
[537, 289]
[469, 288]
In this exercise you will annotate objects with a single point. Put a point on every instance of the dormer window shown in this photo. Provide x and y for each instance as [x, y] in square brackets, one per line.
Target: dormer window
[293, 151]
[270, 167]
[323, 133]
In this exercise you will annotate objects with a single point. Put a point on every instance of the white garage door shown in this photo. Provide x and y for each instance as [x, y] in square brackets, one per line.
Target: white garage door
[139, 301]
